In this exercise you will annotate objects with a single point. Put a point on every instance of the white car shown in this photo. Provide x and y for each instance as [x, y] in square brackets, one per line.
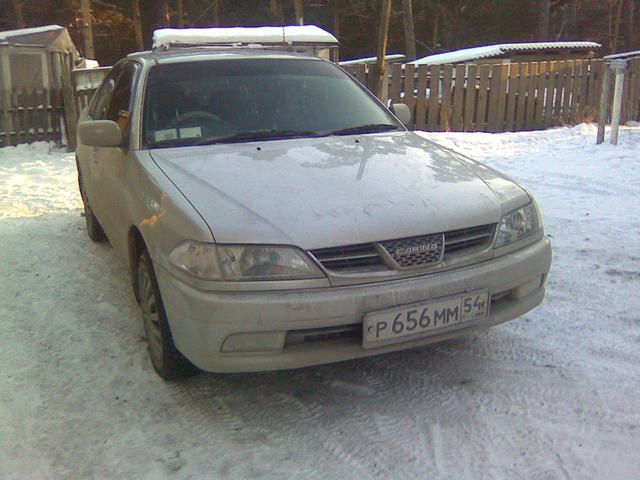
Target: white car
[274, 214]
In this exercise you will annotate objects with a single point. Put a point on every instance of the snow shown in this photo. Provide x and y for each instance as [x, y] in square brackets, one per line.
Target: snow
[229, 35]
[474, 53]
[6, 35]
[393, 58]
[555, 394]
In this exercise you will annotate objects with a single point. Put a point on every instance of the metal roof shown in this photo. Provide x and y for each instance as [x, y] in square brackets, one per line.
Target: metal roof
[623, 56]
[393, 58]
[488, 51]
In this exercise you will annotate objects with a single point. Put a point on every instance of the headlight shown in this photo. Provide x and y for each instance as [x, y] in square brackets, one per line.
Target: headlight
[517, 225]
[243, 262]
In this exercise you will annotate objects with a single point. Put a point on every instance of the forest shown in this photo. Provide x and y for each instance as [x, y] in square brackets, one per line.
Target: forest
[417, 28]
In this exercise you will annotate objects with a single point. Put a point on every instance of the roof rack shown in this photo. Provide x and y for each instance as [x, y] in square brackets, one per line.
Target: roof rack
[266, 37]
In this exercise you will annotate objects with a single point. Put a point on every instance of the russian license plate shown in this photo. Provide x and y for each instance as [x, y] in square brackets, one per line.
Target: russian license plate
[420, 318]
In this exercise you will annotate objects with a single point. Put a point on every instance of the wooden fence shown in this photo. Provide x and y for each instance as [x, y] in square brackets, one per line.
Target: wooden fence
[502, 97]
[30, 115]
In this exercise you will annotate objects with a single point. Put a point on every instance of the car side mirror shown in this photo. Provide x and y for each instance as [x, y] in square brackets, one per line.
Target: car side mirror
[402, 112]
[100, 133]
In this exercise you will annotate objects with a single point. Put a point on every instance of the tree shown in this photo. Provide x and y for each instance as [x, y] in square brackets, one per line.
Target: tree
[543, 19]
[409, 33]
[17, 10]
[137, 23]
[299, 10]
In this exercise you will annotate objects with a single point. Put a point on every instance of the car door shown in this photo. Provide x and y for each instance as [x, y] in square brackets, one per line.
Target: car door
[111, 163]
[87, 155]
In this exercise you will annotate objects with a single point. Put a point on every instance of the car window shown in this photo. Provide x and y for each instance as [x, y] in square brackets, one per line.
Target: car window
[118, 109]
[102, 97]
[188, 103]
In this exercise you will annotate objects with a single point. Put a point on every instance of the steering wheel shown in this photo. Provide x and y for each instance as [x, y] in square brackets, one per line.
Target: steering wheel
[195, 115]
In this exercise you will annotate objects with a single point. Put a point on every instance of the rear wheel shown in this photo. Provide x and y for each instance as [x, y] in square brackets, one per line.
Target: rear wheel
[94, 230]
[167, 361]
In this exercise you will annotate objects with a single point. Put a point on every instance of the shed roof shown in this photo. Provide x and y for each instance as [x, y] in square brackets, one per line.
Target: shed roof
[53, 37]
[488, 51]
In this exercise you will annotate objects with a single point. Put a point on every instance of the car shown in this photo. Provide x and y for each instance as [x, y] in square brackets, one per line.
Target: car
[274, 214]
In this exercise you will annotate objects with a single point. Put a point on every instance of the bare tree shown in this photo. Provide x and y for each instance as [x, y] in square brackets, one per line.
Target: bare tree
[629, 25]
[275, 7]
[383, 37]
[87, 28]
[409, 32]
[544, 12]
[17, 9]
[166, 15]
[137, 23]
[180, 13]
[299, 9]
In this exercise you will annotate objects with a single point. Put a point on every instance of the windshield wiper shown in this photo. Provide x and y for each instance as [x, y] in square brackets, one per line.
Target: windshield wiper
[368, 128]
[252, 135]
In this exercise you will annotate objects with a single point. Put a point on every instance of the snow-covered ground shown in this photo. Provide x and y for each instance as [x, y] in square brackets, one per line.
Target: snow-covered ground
[553, 395]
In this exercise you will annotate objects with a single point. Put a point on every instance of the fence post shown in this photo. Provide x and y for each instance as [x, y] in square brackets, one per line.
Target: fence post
[604, 103]
[620, 66]
[69, 103]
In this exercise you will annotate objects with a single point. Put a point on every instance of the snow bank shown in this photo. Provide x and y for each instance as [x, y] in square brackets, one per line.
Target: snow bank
[37, 179]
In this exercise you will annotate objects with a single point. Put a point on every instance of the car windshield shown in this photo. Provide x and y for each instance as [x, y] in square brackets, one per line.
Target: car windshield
[232, 101]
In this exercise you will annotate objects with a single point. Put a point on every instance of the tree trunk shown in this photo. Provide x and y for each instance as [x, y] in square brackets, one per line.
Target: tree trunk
[137, 24]
[216, 13]
[17, 9]
[336, 18]
[166, 16]
[616, 29]
[381, 64]
[543, 19]
[299, 8]
[180, 14]
[409, 32]
[629, 23]
[87, 29]
[277, 16]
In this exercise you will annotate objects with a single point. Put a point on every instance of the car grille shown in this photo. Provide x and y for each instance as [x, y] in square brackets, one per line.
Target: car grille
[413, 252]
[417, 251]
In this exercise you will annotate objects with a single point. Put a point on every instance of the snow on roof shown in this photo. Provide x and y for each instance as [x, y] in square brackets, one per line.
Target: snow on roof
[4, 36]
[488, 51]
[623, 56]
[242, 35]
[368, 60]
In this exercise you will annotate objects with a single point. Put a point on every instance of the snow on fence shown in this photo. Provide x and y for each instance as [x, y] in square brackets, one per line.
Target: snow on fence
[499, 97]
[30, 115]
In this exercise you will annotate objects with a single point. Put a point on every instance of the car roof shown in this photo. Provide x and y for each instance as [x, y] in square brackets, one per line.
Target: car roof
[190, 54]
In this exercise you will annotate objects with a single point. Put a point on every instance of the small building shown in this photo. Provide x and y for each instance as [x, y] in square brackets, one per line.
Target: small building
[32, 58]
[515, 52]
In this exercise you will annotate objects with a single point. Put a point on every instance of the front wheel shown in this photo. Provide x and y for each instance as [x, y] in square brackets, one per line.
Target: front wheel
[167, 361]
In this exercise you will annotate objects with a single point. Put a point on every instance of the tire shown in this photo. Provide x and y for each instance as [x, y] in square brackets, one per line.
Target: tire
[167, 361]
[94, 230]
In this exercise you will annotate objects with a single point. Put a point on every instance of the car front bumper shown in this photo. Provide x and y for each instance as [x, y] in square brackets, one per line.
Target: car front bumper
[243, 331]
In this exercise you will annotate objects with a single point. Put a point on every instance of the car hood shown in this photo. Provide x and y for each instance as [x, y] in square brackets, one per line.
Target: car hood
[331, 191]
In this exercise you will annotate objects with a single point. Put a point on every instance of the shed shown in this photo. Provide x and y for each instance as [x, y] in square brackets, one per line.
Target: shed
[32, 58]
[515, 52]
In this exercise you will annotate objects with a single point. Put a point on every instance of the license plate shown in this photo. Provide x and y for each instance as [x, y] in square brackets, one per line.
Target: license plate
[420, 318]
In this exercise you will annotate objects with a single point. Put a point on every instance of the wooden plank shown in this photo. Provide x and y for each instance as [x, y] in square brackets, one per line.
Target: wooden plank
[434, 101]
[481, 114]
[396, 83]
[502, 97]
[603, 110]
[6, 117]
[409, 86]
[512, 96]
[445, 111]
[529, 114]
[492, 102]
[568, 91]
[421, 100]
[560, 89]
[541, 91]
[470, 99]
[549, 98]
[523, 86]
[580, 108]
[635, 90]
[458, 97]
